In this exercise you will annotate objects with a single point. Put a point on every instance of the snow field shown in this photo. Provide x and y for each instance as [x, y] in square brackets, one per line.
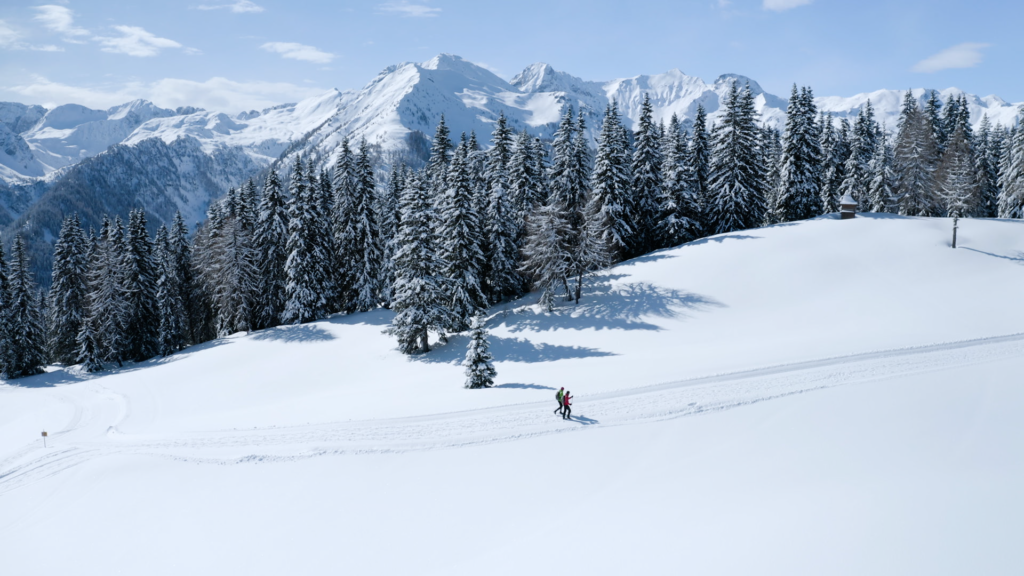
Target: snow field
[829, 396]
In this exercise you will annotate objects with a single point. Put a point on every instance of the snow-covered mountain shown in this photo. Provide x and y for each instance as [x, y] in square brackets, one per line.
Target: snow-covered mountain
[399, 109]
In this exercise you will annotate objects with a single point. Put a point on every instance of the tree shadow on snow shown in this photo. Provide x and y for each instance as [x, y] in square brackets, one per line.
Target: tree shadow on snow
[296, 333]
[1019, 259]
[378, 317]
[64, 375]
[524, 386]
[611, 307]
[507, 350]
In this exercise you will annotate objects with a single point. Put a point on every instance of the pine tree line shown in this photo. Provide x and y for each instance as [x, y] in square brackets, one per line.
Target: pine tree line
[478, 227]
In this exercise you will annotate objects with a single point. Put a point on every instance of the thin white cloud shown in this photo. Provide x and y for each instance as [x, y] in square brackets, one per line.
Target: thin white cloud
[218, 94]
[298, 52]
[10, 39]
[404, 8]
[966, 55]
[59, 19]
[135, 41]
[783, 5]
[240, 7]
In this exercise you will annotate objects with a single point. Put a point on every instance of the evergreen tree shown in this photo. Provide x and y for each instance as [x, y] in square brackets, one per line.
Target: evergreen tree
[68, 292]
[306, 293]
[548, 253]
[933, 117]
[232, 277]
[171, 309]
[106, 292]
[440, 158]
[647, 182]
[501, 277]
[698, 168]
[736, 180]
[366, 258]
[479, 364]
[270, 239]
[611, 198]
[25, 351]
[881, 191]
[460, 235]
[388, 217]
[957, 175]
[5, 306]
[1011, 198]
[525, 191]
[912, 161]
[799, 193]
[184, 279]
[419, 299]
[988, 170]
[345, 220]
[679, 206]
[141, 315]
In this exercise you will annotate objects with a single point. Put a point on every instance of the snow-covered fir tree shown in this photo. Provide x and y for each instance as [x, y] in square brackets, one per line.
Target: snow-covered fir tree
[770, 159]
[679, 207]
[479, 361]
[68, 292]
[501, 275]
[141, 315]
[171, 309]
[736, 181]
[913, 161]
[460, 236]
[647, 181]
[106, 292]
[5, 306]
[387, 210]
[356, 235]
[306, 291]
[233, 276]
[698, 168]
[881, 190]
[932, 115]
[270, 239]
[957, 175]
[419, 299]
[611, 188]
[24, 353]
[1011, 179]
[525, 191]
[548, 253]
[799, 192]
[987, 160]
[344, 221]
[440, 158]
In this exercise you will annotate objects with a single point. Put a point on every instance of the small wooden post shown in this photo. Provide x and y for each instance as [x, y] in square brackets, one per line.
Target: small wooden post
[847, 207]
[44, 439]
[955, 218]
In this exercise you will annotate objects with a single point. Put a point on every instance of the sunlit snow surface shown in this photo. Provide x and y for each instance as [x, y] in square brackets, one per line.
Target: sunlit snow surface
[825, 397]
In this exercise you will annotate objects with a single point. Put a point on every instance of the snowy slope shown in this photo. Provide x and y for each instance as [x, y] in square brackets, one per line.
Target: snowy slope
[800, 399]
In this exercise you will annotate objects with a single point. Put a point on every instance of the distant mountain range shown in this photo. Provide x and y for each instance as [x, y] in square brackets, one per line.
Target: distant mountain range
[68, 158]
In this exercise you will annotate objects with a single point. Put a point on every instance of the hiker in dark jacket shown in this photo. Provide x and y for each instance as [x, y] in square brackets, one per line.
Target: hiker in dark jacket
[567, 406]
[558, 396]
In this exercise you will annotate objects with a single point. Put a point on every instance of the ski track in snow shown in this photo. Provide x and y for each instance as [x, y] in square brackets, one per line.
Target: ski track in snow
[92, 431]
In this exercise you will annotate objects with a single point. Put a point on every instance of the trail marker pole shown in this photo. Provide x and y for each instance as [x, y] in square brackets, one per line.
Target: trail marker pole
[955, 218]
[44, 439]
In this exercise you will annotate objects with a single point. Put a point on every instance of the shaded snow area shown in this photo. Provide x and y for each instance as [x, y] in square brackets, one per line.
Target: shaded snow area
[823, 397]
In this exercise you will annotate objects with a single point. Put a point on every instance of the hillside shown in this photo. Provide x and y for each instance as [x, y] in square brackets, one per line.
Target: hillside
[769, 401]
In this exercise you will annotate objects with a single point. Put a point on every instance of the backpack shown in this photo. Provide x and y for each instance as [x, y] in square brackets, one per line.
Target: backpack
[558, 396]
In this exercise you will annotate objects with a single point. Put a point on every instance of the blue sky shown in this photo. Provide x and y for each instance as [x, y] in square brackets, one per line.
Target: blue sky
[241, 54]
